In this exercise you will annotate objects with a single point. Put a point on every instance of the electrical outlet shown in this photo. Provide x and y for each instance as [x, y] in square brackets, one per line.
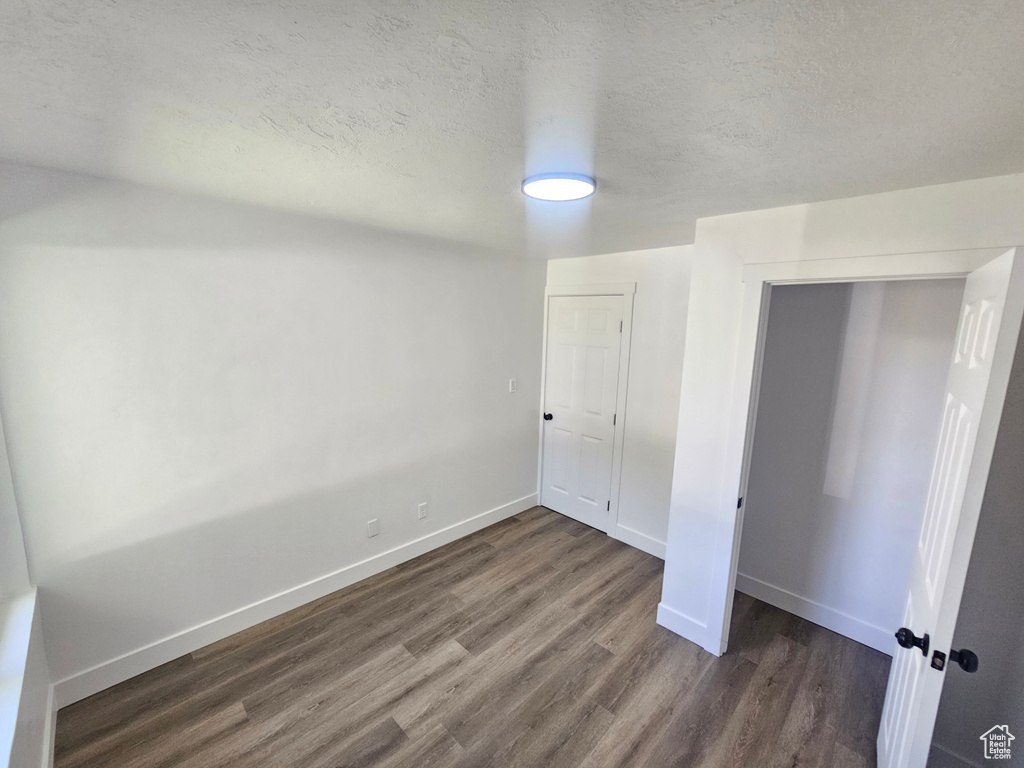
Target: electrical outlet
[421, 510]
[372, 528]
[513, 386]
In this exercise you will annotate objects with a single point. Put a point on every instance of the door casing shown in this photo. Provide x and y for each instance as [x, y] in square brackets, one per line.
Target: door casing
[758, 280]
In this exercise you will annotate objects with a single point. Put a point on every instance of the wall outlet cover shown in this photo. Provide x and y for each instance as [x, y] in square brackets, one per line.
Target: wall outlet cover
[513, 385]
[372, 528]
[421, 510]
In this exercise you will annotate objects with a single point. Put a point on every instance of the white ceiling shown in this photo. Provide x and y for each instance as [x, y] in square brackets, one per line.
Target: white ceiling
[424, 116]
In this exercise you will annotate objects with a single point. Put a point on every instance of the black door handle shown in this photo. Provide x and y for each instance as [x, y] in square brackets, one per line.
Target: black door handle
[908, 639]
[968, 660]
[548, 417]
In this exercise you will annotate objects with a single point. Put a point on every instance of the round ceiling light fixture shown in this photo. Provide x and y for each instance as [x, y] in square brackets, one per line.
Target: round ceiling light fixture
[559, 187]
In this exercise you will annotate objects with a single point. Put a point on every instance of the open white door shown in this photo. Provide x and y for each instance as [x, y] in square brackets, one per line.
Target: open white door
[986, 339]
[580, 389]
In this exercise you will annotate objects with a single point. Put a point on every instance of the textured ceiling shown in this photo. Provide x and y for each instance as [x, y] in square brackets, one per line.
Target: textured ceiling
[424, 116]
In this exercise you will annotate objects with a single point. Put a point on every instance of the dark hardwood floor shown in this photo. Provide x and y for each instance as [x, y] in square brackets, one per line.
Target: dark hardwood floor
[531, 643]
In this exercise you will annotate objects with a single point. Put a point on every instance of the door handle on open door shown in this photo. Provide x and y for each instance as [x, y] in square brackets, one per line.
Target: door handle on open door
[908, 639]
[548, 417]
[967, 660]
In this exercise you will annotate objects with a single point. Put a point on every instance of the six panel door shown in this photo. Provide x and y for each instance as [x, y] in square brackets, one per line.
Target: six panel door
[986, 339]
[580, 389]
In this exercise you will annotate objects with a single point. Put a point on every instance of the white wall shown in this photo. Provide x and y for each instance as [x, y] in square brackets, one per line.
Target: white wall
[662, 276]
[205, 403]
[989, 622]
[847, 424]
[972, 214]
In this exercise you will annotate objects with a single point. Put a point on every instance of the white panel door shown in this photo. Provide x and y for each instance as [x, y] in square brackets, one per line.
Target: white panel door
[986, 339]
[582, 374]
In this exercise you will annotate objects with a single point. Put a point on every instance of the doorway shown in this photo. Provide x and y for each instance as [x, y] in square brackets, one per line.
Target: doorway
[849, 411]
[586, 359]
[986, 337]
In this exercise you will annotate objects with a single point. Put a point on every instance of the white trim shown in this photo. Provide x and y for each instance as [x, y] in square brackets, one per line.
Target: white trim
[540, 407]
[903, 266]
[618, 442]
[19, 647]
[627, 292]
[591, 289]
[23, 649]
[829, 618]
[686, 626]
[748, 447]
[50, 730]
[640, 541]
[114, 671]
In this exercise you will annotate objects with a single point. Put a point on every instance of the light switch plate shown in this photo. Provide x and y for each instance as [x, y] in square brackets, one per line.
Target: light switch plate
[372, 528]
[513, 386]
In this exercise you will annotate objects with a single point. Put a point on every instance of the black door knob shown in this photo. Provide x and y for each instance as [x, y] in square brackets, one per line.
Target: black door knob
[908, 639]
[548, 417]
[968, 660]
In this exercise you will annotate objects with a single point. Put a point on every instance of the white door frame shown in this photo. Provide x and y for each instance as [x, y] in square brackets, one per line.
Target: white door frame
[626, 291]
[758, 280]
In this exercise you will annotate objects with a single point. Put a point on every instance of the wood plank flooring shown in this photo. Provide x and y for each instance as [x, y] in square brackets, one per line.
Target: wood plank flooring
[530, 643]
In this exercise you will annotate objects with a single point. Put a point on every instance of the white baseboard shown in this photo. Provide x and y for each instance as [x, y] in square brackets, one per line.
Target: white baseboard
[689, 628]
[640, 541]
[126, 666]
[842, 623]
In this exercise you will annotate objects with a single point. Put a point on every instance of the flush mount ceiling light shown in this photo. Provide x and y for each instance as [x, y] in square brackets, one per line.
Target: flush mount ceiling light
[559, 187]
